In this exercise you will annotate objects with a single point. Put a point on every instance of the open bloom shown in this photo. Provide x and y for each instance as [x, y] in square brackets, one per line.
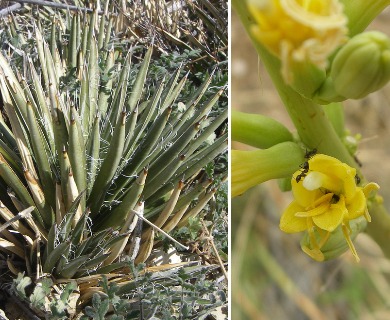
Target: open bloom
[326, 196]
[299, 30]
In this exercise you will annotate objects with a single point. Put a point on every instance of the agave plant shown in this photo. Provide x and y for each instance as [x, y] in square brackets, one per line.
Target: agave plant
[95, 158]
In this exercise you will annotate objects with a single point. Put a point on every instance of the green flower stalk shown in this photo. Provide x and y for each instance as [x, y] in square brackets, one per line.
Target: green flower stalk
[286, 39]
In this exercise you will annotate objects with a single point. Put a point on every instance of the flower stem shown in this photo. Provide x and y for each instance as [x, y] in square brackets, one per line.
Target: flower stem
[379, 227]
[309, 118]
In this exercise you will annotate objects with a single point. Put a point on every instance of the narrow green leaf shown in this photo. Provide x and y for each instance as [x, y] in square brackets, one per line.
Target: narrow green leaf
[94, 262]
[93, 147]
[69, 269]
[199, 206]
[118, 215]
[68, 220]
[109, 167]
[148, 143]
[191, 103]
[158, 181]
[42, 108]
[171, 153]
[84, 31]
[130, 126]
[106, 83]
[118, 100]
[79, 230]
[173, 94]
[108, 31]
[200, 159]
[40, 202]
[51, 238]
[101, 30]
[145, 119]
[55, 256]
[77, 153]
[41, 157]
[209, 130]
[93, 242]
[84, 109]
[201, 112]
[193, 165]
[140, 81]
[12, 159]
[11, 179]
[41, 55]
[73, 45]
[94, 79]
[91, 32]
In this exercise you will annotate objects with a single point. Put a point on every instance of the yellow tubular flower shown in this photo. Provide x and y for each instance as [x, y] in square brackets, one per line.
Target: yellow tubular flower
[326, 196]
[299, 30]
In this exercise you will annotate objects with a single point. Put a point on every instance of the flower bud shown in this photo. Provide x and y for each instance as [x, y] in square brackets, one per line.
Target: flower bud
[250, 168]
[361, 67]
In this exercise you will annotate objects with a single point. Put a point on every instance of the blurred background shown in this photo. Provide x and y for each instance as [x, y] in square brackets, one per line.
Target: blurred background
[271, 277]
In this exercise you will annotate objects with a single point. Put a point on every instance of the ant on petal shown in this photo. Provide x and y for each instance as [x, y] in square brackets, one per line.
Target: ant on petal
[305, 166]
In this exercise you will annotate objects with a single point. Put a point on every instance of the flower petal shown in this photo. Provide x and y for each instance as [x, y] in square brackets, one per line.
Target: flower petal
[331, 219]
[320, 207]
[304, 197]
[357, 205]
[289, 222]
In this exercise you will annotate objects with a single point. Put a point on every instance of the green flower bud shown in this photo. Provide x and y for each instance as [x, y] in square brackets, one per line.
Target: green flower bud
[257, 130]
[336, 244]
[250, 168]
[359, 68]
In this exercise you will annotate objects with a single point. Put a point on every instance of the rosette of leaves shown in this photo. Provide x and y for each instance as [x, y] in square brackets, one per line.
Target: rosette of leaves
[90, 147]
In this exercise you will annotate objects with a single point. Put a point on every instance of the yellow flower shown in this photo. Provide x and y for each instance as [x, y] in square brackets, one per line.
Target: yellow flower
[299, 30]
[326, 196]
